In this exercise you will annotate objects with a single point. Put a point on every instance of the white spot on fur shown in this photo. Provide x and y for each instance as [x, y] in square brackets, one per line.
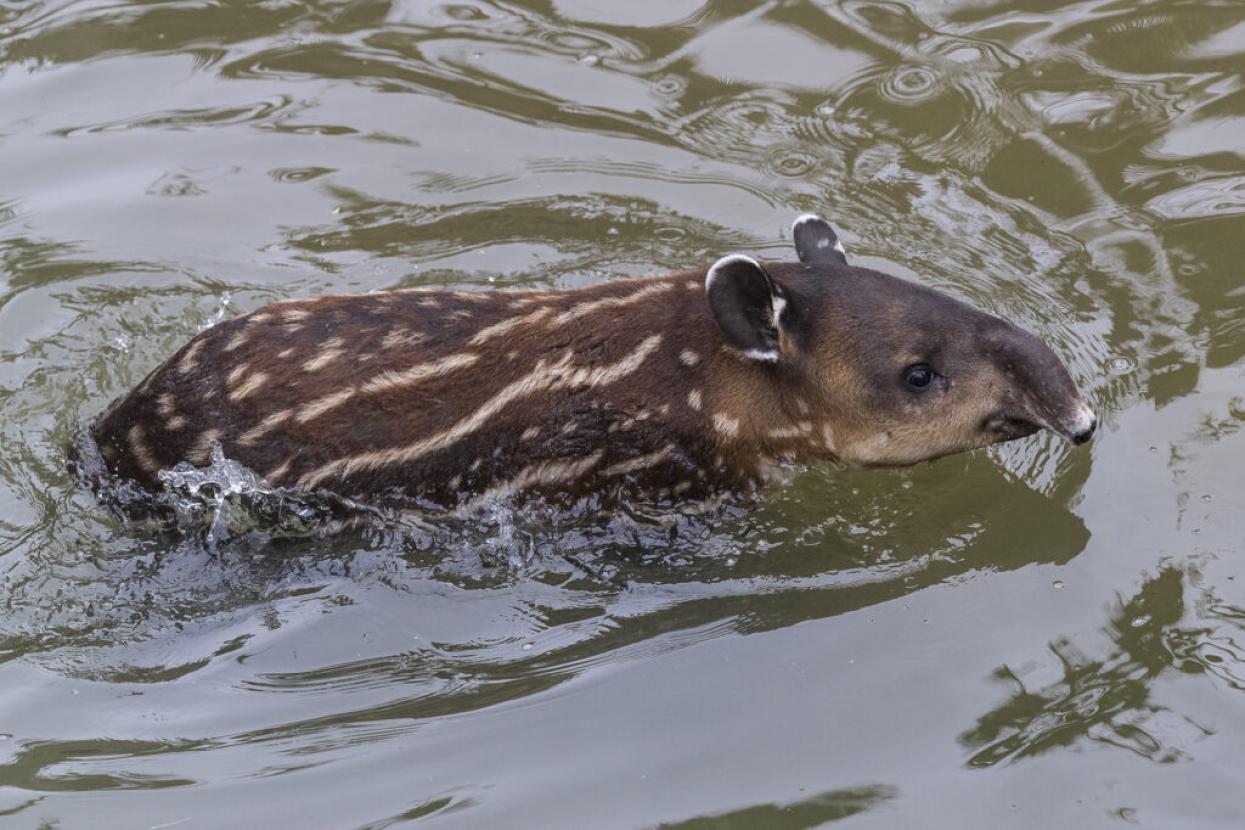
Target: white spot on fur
[640, 462]
[419, 372]
[777, 305]
[322, 405]
[764, 355]
[486, 334]
[528, 300]
[725, 424]
[546, 472]
[249, 386]
[294, 315]
[262, 317]
[582, 309]
[253, 435]
[873, 450]
[165, 404]
[286, 352]
[275, 475]
[237, 340]
[603, 375]
[141, 452]
[198, 454]
[386, 382]
[689, 357]
[402, 337]
[175, 423]
[191, 358]
[529, 433]
[332, 350]
[543, 378]
[821, 243]
[236, 375]
[693, 399]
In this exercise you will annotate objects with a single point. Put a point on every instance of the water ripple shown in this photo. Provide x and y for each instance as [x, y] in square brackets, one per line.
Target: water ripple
[258, 111]
[1076, 168]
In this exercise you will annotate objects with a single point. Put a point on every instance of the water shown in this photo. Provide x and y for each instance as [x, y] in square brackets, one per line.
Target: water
[1027, 637]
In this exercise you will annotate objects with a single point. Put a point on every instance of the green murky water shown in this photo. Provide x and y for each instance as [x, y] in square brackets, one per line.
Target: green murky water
[1026, 637]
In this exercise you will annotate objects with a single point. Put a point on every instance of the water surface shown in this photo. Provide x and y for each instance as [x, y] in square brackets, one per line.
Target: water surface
[1030, 636]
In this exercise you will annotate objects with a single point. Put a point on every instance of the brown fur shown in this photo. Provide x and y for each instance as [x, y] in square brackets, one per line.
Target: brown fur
[209, 388]
[447, 395]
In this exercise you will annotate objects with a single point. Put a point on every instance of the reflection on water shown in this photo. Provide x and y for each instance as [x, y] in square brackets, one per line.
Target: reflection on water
[810, 656]
[1106, 701]
[801, 815]
[1109, 700]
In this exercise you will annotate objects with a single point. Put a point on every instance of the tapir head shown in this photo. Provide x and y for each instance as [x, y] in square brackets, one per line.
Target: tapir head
[898, 372]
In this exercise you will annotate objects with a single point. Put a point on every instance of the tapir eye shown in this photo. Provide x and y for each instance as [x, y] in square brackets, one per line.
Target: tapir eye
[919, 377]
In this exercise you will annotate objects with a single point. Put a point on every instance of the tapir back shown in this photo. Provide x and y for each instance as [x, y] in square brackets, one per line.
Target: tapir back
[431, 393]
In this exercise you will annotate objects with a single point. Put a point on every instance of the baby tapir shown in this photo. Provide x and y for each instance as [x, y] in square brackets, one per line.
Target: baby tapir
[673, 386]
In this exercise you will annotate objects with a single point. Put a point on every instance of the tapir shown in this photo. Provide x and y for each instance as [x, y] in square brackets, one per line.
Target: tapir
[672, 386]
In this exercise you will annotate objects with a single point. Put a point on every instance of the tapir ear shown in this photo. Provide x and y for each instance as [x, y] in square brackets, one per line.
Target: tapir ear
[747, 305]
[816, 242]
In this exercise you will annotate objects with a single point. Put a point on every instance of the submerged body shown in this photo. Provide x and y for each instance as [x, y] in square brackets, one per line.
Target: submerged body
[671, 386]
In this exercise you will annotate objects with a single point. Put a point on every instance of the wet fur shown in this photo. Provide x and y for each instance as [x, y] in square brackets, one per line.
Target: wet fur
[645, 411]
[642, 385]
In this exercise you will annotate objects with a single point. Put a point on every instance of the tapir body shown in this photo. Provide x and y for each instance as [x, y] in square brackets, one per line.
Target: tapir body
[673, 386]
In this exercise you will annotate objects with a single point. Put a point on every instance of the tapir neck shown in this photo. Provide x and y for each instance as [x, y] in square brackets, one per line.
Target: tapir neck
[752, 413]
[760, 414]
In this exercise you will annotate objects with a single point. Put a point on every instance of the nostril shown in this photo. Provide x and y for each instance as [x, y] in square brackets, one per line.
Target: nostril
[1085, 434]
[1080, 427]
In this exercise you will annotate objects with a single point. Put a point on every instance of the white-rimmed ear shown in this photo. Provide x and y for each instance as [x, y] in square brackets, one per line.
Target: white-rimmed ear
[816, 241]
[747, 305]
